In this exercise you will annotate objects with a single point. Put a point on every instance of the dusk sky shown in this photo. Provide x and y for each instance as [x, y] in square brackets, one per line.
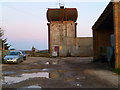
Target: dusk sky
[25, 23]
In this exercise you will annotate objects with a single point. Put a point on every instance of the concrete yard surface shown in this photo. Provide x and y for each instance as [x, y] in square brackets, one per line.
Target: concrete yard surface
[60, 72]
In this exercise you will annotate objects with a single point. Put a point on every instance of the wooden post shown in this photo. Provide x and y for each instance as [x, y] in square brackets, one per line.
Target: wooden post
[0, 50]
[0, 61]
[116, 12]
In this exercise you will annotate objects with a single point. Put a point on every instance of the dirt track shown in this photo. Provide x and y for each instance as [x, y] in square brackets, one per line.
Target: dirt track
[65, 72]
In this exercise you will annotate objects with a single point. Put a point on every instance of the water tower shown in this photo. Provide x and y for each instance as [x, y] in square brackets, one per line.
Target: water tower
[62, 30]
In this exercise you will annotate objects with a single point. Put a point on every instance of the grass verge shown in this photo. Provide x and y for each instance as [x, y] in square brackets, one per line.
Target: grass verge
[116, 71]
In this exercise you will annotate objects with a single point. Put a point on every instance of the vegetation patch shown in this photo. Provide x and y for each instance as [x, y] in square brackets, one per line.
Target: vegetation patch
[116, 71]
[44, 51]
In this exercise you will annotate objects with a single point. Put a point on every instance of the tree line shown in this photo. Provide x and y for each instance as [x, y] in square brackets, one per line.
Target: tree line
[4, 44]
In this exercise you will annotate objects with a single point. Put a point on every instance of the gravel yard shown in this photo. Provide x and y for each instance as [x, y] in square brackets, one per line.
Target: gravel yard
[61, 72]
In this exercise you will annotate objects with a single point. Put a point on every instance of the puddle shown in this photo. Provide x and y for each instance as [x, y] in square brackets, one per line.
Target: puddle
[55, 62]
[45, 70]
[32, 87]
[7, 72]
[78, 84]
[82, 77]
[35, 70]
[47, 63]
[23, 77]
[35, 63]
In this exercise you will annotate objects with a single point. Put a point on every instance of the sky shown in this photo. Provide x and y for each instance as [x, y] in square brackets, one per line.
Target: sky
[25, 24]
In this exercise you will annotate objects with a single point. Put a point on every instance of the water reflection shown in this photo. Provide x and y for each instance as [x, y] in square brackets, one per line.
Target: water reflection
[11, 80]
[53, 62]
[47, 63]
[26, 76]
[31, 87]
[31, 70]
[7, 72]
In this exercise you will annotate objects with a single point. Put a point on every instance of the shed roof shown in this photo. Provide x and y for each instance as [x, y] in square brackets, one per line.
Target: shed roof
[105, 19]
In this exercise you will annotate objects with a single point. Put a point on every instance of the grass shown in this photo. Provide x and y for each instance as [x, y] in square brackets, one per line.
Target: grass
[116, 71]
[46, 51]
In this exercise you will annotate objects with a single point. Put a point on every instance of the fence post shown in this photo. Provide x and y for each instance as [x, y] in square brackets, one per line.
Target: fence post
[0, 61]
[0, 51]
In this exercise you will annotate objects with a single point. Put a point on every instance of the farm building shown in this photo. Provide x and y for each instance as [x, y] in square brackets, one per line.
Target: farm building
[62, 33]
[106, 34]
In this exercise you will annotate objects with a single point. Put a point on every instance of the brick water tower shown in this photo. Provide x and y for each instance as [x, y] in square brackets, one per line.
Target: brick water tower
[62, 30]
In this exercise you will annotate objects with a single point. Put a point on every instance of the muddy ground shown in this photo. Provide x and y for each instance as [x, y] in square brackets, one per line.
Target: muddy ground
[65, 72]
